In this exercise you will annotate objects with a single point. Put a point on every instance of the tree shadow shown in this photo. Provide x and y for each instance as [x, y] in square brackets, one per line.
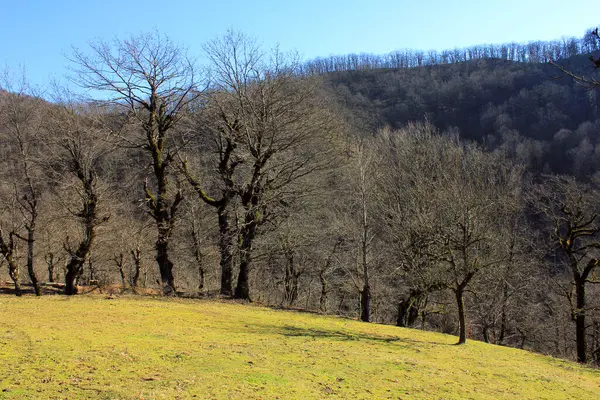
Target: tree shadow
[316, 334]
[27, 288]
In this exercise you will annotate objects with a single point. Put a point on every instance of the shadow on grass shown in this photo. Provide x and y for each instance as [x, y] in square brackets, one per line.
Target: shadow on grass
[315, 334]
[27, 289]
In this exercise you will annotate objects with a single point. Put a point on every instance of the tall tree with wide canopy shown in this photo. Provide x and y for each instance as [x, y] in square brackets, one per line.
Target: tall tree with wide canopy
[151, 81]
[271, 131]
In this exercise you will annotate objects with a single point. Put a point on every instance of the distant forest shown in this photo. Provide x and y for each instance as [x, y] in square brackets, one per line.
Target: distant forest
[454, 191]
[535, 52]
[505, 97]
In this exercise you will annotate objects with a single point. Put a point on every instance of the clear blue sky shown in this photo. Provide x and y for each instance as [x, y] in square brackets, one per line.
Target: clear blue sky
[38, 33]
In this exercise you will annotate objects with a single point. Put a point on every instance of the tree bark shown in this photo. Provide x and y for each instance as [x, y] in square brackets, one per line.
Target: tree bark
[408, 311]
[462, 319]
[291, 279]
[70, 278]
[242, 289]
[248, 233]
[486, 333]
[365, 303]
[324, 290]
[137, 262]
[226, 169]
[51, 266]
[30, 247]
[164, 264]
[90, 221]
[161, 208]
[503, 317]
[13, 272]
[198, 256]
[120, 261]
[579, 316]
[7, 249]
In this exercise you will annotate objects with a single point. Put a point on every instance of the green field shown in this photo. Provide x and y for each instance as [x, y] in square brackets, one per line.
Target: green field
[85, 347]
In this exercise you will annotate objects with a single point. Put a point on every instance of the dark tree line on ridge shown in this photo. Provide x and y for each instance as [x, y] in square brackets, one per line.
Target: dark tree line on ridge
[258, 181]
[535, 52]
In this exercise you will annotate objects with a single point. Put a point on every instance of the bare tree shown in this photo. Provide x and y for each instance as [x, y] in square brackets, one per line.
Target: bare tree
[152, 81]
[21, 113]
[409, 222]
[571, 213]
[357, 211]
[223, 145]
[457, 194]
[7, 249]
[271, 122]
[77, 148]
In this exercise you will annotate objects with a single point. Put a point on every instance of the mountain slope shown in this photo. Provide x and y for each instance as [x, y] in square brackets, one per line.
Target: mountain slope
[132, 348]
[533, 111]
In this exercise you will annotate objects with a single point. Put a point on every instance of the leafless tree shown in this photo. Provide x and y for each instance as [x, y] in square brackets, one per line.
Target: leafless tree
[357, 209]
[571, 213]
[223, 145]
[151, 81]
[270, 134]
[447, 199]
[76, 148]
[21, 118]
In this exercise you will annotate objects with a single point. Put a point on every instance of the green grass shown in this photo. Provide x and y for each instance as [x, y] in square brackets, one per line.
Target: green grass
[84, 347]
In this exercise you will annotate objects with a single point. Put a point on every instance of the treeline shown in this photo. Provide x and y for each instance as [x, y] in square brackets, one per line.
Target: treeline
[256, 184]
[533, 52]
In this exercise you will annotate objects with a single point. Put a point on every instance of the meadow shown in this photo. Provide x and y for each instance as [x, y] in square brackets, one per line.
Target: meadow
[98, 347]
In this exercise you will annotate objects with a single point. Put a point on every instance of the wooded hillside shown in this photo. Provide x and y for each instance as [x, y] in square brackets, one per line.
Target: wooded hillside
[421, 196]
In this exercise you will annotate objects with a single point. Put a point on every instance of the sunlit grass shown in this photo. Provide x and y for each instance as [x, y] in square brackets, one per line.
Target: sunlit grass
[140, 348]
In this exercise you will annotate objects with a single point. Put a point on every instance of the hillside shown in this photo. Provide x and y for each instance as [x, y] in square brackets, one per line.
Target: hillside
[534, 112]
[142, 348]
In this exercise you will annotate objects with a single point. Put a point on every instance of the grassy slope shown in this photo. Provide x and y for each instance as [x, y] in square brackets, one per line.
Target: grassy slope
[139, 348]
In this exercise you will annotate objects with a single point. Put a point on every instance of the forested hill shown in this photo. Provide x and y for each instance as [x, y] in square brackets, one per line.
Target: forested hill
[533, 111]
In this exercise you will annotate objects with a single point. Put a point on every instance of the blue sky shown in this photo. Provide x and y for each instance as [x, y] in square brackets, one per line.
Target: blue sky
[38, 34]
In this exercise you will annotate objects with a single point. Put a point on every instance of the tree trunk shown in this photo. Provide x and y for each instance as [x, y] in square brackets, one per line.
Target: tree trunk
[579, 316]
[30, 247]
[137, 262]
[225, 246]
[165, 265]
[324, 290]
[75, 265]
[462, 320]
[365, 293]
[164, 215]
[201, 279]
[13, 272]
[51, 266]
[242, 290]
[365, 303]
[121, 264]
[70, 277]
[503, 317]
[7, 249]
[248, 232]
[408, 310]
[198, 256]
[79, 256]
[290, 281]
[486, 333]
